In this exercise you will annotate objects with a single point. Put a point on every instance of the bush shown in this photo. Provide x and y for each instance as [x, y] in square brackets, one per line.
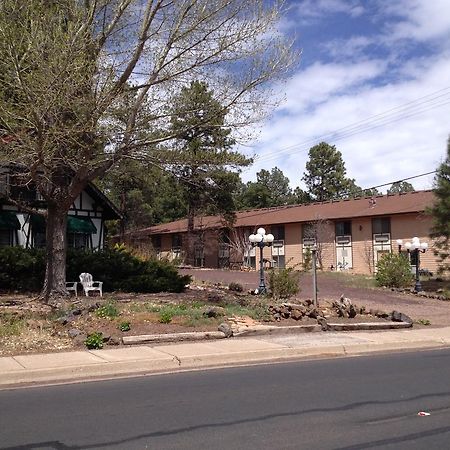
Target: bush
[394, 270]
[107, 311]
[24, 269]
[21, 269]
[283, 283]
[165, 316]
[124, 326]
[94, 341]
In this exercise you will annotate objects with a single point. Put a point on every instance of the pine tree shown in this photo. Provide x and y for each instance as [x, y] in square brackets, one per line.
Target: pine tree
[441, 213]
[325, 175]
[204, 141]
[399, 187]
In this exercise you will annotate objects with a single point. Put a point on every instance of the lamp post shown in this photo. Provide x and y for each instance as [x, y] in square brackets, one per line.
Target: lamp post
[415, 247]
[261, 240]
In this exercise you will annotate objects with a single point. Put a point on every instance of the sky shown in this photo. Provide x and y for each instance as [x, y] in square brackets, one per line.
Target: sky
[374, 80]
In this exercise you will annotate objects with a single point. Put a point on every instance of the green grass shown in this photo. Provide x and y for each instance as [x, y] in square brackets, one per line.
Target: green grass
[352, 280]
[11, 325]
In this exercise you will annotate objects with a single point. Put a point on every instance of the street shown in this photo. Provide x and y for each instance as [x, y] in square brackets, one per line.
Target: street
[348, 403]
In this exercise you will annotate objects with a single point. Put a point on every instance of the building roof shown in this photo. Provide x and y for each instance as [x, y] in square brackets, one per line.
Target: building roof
[380, 205]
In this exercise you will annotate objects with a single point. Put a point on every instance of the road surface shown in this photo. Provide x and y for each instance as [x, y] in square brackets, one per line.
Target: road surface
[349, 403]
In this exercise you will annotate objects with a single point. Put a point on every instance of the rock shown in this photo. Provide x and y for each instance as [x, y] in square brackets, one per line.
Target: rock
[296, 314]
[214, 311]
[400, 317]
[76, 312]
[74, 332]
[351, 312]
[313, 313]
[225, 328]
[114, 340]
[382, 314]
[64, 320]
[345, 302]
[277, 317]
[323, 323]
[106, 337]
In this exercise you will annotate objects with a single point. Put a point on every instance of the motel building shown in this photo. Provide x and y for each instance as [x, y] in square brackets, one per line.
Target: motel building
[350, 235]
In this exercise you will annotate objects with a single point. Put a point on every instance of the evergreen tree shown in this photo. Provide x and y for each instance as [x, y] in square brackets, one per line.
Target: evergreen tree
[270, 189]
[399, 187]
[441, 213]
[204, 141]
[325, 175]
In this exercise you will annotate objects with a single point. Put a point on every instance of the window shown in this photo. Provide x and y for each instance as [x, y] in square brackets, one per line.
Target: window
[176, 240]
[344, 228]
[78, 240]
[156, 242]
[381, 225]
[308, 231]
[278, 232]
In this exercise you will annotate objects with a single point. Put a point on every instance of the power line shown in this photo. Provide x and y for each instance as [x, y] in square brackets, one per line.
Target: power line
[419, 106]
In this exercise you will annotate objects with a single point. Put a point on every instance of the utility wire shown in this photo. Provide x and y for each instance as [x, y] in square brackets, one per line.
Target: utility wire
[419, 106]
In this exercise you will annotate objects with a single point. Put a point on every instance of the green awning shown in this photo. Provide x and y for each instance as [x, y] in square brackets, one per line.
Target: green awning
[78, 224]
[81, 225]
[9, 221]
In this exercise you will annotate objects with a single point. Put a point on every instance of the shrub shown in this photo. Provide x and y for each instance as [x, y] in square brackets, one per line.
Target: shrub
[21, 269]
[283, 283]
[24, 269]
[94, 341]
[394, 270]
[235, 287]
[124, 326]
[165, 316]
[107, 311]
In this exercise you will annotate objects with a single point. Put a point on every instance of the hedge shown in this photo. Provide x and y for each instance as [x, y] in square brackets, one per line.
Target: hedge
[24, 269]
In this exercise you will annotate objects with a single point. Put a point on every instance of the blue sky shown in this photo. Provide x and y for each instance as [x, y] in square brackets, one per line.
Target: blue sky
[373, 79]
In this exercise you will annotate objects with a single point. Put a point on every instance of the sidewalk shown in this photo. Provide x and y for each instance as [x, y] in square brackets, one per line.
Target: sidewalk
[146, 359]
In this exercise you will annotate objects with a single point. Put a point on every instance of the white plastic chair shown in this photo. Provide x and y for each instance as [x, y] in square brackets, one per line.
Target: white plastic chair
[90, 285]
[72, 286]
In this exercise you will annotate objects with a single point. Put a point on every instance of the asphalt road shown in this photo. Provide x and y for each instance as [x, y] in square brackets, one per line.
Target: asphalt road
[349, 403]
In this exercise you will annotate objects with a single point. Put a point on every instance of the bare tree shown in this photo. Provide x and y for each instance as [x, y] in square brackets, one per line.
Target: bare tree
[86, 84]
[319, 230]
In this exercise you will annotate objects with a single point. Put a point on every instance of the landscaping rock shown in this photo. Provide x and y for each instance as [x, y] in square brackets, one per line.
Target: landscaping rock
[296, 314]
[74, 332]
[225, 328]
[400, 317]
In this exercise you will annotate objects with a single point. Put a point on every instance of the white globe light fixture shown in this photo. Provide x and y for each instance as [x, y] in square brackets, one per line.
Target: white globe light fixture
[261, 240]
[414, 249]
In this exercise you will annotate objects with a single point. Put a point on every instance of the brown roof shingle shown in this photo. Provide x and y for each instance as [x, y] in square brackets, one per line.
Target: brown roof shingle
[411, 202]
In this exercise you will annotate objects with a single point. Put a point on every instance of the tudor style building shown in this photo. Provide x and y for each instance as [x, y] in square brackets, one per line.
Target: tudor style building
[85, 223]
[348, 234]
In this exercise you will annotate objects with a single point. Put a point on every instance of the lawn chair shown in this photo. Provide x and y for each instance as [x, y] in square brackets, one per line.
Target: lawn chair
[90, 285]
[72, 286]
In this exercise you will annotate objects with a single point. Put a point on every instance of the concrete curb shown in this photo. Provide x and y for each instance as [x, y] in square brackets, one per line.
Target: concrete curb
[170, 358]
[262, 330]
[173, 337]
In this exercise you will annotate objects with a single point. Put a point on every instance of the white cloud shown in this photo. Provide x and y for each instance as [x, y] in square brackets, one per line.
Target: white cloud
[420, 20]
[312, 9]
[396, 150]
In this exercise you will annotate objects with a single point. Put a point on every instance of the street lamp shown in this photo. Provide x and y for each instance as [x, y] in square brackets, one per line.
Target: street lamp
[261, 239]
[415, 247]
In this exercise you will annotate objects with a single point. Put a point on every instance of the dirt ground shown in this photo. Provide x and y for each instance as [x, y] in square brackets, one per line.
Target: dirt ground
[28, 326]
[331, 286]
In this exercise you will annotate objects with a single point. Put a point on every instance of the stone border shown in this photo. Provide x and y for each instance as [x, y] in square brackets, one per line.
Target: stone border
[264, 330]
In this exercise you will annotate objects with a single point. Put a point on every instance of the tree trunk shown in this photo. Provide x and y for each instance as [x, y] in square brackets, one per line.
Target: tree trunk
[55, 269]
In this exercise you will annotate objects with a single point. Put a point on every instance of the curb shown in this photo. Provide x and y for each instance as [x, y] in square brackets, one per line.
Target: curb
[263, 330]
